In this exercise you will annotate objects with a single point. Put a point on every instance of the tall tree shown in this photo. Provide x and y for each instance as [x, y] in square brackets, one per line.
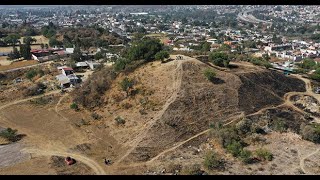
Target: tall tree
[76, 56]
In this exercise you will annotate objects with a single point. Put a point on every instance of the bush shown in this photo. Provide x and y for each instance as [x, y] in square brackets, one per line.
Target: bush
[34, 72]
[235, 148]
[120, 120]
[9, 134]
[120, 64]
[246, 156]
[219, 59]
[126, 105]
[244, 126]
[264, 154]
[126, 84]
[212, 161]
[210, 74]
[41, 100]
[35, 89]
[279, 125]
[74, 106]
[96, 116]
[31, 74]
[311, 133]
[90, 95]
[192, 170]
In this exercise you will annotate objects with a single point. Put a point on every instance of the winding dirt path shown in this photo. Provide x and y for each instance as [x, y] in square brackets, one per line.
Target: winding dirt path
[57, 105]
[304, 158]
[28, 99]
[89, 162]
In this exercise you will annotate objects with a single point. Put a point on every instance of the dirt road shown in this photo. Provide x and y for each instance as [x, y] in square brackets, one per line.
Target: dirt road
[89, 162]
[28, 99]
[47, 148]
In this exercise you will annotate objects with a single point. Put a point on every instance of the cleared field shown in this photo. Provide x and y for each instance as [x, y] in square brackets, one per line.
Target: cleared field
[40, 39]
[9, 49]
[18, 64]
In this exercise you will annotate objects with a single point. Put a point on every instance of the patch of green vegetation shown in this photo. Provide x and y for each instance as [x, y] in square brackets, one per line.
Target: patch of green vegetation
[209, 74]
[9, 134]
[264, 154]
[311, 132]
[279, 125]
[213, 161]
[74, 106]
[119, 120]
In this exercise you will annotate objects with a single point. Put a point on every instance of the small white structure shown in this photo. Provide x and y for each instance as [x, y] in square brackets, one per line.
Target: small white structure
[70, 50]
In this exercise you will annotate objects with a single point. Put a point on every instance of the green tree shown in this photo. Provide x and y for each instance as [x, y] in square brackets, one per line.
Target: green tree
[161, 55]
[205, 47]
[308, 63]
[126, 84]
[15, 54]
[29, 40]
[219, 59]
[30, 32]
[98, 56]
[144, 49]
[76, 56]
[25, 51]
[120, 64]
[12, 39]
[54, 42]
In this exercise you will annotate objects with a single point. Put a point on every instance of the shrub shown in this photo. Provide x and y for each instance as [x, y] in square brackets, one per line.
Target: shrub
[90, 95]
[210, 74]
[31, 74]
[83, 122]
[213, 161]
[126, 105]
[311, 133]
[120, 64]
[244, 126]
[192, 170]
[41, 100]
[219, 59]
[74, 106]
[120, 120]
[235, 148]
[246, 156]
[279, 125]
[9, 134]
[126, 84]
[35, 89]
[264, 154]
[96, 116]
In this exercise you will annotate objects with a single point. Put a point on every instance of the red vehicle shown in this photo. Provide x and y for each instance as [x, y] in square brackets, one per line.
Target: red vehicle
[69, 160]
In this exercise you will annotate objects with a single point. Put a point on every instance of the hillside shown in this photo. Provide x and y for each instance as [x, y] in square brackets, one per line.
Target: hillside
[192, 103]
[165, 123]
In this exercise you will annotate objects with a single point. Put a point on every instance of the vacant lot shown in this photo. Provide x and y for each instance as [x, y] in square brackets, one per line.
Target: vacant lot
[40, 39]
[9, 48]
[18, 64]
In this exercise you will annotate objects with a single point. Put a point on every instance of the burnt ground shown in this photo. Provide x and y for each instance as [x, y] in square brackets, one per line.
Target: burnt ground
[265, 88]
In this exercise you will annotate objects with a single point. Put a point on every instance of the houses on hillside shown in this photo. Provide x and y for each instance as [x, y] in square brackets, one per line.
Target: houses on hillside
[67, 77]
